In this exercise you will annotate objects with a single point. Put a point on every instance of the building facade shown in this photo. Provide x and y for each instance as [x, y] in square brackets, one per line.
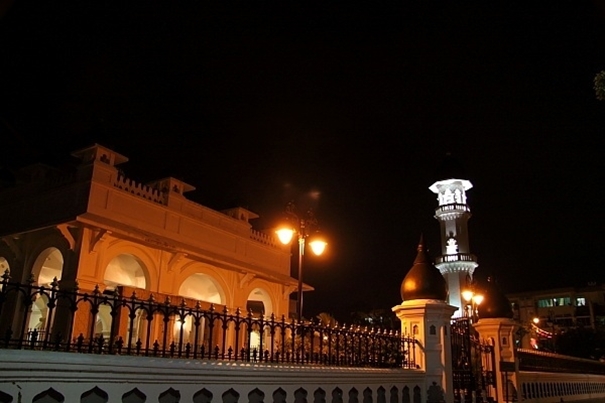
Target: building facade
[545, 313]
[92, 229]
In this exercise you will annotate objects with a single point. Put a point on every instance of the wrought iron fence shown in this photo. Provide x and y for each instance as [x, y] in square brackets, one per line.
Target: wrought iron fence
[49, 318]
[473, 364]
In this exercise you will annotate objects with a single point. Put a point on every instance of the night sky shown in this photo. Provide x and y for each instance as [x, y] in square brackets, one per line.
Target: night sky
[256, 103]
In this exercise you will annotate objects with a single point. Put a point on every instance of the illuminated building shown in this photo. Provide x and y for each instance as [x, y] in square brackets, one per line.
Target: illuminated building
[545, 313]
[90, 226]
[456, 263]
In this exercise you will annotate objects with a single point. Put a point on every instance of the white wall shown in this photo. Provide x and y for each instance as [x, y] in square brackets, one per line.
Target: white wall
[31, 373]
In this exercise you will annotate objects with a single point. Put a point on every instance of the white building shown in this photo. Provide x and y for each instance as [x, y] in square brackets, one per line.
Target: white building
[456, 262]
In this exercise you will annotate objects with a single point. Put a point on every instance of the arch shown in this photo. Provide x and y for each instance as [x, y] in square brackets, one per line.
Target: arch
[141, 254]
[319, 396]
[394, 397]
[94, 395]
[417, 394]
[353, 395]
[256, 396]
[230, 396]
[259, 303]
[170, 396]
[217, 276]
[367, 396]
[134, 396]
[48, 266]
[405, 394]
[203, 287]
[49, 396]
[126, 269]
[36, 245]
[8, 255]
[5, 397]
[258, 296]
[4, 265]
[202, 396]
[300, 395]
[337, 395]
[279, 396]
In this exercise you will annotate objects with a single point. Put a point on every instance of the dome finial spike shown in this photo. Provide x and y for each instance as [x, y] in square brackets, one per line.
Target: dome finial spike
[421, 242]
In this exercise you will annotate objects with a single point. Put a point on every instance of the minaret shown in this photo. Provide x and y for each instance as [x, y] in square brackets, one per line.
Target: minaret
[456, 263]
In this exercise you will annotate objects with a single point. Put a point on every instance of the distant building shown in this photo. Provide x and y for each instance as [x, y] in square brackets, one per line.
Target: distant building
[559, 309]
[93, 229]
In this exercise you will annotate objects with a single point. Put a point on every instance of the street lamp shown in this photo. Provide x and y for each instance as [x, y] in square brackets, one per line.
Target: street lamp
[472, 301]
[305, 225]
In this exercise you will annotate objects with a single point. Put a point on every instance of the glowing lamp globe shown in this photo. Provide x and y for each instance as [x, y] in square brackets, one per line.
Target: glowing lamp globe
[318, 246]
[285, 235]
[467, 295]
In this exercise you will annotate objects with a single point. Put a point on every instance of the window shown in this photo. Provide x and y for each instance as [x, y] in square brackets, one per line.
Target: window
[580, 301]
[545, 303]
[556, 301]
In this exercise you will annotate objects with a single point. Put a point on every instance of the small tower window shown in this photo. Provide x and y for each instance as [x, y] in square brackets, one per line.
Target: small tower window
[458, 196]
[448, 196]
[432, 330]
[451, 248]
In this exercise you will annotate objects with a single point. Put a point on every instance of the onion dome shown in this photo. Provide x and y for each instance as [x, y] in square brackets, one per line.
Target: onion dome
[494, 304]
[423, 281]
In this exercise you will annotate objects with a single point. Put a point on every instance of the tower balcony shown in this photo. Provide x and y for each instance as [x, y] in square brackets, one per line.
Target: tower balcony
[458, 257]
[451, 211]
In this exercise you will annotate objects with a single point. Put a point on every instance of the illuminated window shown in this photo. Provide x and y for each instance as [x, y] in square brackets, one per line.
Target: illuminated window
[580, 301]
[458, 196]
[545, 303]
[556, 301]
[448, 196]
[562, 301]
[451, 247]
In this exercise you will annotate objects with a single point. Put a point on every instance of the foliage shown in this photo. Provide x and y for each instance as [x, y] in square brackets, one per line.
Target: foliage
[599, 85]
[377, 318]
[326, 320]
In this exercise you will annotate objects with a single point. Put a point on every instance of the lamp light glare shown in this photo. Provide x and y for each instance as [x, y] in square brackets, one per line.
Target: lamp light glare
[467, 295]
[285, 235]
[318, 246]
[478, 299]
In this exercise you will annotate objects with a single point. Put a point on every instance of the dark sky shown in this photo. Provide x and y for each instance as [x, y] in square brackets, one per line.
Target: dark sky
[258, 102]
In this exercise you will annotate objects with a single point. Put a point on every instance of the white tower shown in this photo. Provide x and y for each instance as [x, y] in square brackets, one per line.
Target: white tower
[456, 263]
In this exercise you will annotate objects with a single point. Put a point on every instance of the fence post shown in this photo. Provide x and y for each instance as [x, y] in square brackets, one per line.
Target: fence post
[428, 321]
[500, 333]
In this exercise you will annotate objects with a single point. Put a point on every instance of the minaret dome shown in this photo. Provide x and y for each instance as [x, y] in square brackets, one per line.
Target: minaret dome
[423, 281]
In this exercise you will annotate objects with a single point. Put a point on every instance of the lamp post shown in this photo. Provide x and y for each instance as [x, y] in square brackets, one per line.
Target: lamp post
[305, 226]
[472, 301]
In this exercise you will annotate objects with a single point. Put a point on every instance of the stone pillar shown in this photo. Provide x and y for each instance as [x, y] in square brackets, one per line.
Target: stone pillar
[428, 321]
[500, 333]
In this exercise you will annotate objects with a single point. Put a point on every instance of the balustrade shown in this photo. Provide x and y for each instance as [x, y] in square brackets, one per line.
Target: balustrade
[140, 190]
[458, 257]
